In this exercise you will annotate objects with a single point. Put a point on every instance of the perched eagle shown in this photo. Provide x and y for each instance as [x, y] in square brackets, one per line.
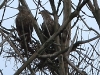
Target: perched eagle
[48, 24]
[48, 28]
[24, 25]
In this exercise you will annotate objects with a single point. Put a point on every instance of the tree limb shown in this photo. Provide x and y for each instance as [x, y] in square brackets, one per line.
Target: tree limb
[48, 42]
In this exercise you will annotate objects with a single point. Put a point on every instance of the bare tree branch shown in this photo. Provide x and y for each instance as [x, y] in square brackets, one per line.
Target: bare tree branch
[47, 43]
[36, 26]
[3, 3]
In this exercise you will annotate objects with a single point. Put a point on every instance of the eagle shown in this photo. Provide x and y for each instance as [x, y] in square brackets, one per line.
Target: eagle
[24, 26]
[48, 24]
[48, 28]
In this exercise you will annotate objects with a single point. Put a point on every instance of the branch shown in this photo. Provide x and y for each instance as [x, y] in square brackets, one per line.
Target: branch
[50, 40]
[66, 49]
[84, 21]
[60, 52]
[36, 26]
[95, 11]
[3, 3]
[96, 4]
[13, 46]
[3, 41]
[59, 3]
[73, 66]
[53, 6]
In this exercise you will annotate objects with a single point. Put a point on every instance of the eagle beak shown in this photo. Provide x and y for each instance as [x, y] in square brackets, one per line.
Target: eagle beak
[39, 12]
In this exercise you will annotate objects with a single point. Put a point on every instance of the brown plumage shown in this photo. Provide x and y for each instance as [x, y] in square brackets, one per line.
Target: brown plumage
[48, 28]
[48, 24]
[24, 25]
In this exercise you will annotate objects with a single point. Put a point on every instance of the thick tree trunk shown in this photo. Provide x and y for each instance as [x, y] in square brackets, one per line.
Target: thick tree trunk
[67, 32]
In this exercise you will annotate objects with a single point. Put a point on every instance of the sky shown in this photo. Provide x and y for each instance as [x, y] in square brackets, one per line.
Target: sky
[8, 67]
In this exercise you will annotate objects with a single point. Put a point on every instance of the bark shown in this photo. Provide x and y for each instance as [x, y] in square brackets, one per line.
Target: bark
[95, 11]
[66, 33]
